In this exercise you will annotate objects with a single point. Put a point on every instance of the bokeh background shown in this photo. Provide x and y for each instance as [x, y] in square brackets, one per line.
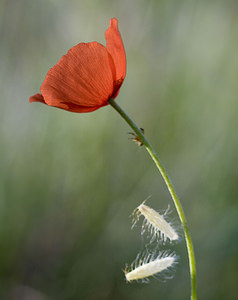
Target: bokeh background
[69, 182]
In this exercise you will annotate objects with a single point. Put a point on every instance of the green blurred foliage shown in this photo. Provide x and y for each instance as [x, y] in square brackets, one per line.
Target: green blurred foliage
[68, 182]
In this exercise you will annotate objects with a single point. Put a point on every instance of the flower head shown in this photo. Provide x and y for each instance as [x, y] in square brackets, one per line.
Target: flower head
[87, 76]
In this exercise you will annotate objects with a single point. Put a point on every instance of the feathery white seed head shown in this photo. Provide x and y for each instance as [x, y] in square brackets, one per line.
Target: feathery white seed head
[149, 266]
[156, 223]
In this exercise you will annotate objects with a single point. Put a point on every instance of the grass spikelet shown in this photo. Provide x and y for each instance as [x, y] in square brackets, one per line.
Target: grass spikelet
[155, 223]
[142, 268]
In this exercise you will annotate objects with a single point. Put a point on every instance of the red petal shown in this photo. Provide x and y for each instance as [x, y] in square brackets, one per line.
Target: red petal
[66, 106]
[116, 49]
[37, 98]
[82, 79]
[77, 108]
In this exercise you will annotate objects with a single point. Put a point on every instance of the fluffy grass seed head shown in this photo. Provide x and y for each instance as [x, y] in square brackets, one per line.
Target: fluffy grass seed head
[149, 265]
[155, 223]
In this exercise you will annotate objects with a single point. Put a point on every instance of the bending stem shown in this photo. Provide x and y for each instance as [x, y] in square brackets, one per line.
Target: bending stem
[170, 187]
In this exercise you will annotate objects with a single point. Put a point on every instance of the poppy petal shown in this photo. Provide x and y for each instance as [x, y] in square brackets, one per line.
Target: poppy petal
[77, 108]
[83, 77]
[66, 106]
[37, 98]
[116, 50]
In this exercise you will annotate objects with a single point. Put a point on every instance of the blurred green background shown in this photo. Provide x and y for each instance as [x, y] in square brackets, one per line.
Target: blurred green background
[69, 182]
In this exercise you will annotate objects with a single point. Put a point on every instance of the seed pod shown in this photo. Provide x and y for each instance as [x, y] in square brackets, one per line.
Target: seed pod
[149, 266]
[156, 223]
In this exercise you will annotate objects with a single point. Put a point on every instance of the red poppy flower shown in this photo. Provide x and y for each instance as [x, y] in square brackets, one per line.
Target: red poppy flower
[87, 76]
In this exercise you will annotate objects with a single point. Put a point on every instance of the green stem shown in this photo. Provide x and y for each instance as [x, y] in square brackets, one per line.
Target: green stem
[176, 201]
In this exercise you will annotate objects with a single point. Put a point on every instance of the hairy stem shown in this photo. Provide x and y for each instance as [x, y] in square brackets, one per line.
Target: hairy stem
[170, 187]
